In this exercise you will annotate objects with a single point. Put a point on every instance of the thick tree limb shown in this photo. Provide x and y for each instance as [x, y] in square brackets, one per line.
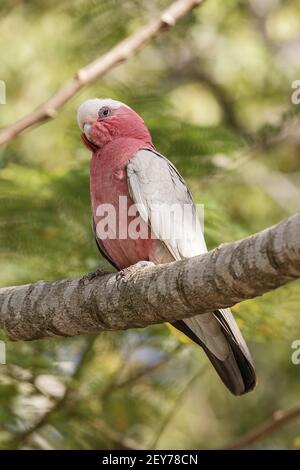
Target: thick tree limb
[141, 296]
[99, 67]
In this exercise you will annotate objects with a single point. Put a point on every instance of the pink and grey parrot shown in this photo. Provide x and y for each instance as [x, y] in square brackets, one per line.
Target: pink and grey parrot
[125, 163]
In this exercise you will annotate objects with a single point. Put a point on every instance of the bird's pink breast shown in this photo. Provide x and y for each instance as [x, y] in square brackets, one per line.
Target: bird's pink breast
[108, 182]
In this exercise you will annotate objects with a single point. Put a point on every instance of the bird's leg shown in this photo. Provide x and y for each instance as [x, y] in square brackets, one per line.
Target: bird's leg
[126, 273]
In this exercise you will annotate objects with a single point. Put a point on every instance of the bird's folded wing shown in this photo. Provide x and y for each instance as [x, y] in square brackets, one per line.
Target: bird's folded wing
[165, 203]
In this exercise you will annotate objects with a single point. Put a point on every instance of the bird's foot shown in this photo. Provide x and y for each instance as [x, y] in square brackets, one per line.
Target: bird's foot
[91, 276]
[127, 273]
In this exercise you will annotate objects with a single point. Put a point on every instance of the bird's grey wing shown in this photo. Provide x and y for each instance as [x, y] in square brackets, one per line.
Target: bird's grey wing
[155, 185]
[165, 202]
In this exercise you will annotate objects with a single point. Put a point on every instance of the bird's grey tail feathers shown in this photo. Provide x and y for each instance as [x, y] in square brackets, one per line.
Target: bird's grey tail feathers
[236, 370]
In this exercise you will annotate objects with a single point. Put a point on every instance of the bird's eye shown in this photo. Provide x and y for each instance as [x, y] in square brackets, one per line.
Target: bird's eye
[104, 112]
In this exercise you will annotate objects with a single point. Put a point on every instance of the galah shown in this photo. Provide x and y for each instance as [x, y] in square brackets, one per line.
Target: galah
[125, 163]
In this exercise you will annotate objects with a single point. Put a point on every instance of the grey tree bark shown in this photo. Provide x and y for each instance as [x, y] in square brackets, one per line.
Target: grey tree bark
[146, 294]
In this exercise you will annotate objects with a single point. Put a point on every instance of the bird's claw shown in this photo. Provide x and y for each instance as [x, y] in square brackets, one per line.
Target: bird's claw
[126, 273]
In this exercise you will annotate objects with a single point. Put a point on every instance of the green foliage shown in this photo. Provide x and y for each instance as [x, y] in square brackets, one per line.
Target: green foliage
[215, 93]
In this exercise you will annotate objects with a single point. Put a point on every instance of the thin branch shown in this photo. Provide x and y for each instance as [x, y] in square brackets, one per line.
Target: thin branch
[169, 416]
[279, 419]
[119, 441]
[116, 386]
[99, 67]
[140, 296]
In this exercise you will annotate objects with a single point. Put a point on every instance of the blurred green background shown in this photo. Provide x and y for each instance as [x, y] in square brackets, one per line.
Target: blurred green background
[215, 92]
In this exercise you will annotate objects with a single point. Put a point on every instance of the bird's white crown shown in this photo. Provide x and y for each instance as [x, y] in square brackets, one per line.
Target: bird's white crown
[88, 111]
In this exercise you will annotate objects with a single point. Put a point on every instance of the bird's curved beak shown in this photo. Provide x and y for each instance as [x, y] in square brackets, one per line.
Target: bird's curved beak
[87, 139]
[88, 143]
[87, 130]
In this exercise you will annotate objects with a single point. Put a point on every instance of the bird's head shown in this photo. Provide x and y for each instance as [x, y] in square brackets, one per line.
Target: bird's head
[103, 120]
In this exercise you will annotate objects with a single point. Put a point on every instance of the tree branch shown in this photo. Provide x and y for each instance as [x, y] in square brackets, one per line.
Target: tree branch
[279, 419]
[99, 67]
[145, 371]
[170, 415]
[141, 296]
